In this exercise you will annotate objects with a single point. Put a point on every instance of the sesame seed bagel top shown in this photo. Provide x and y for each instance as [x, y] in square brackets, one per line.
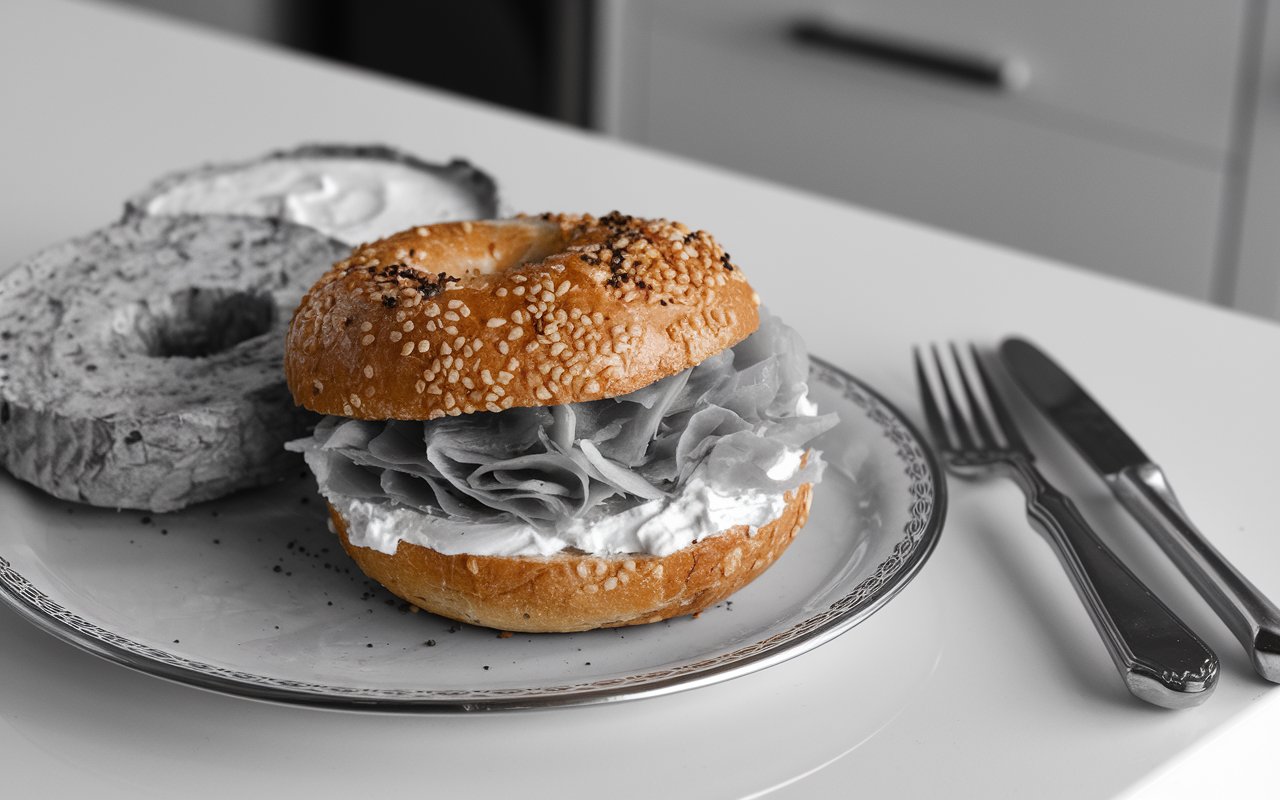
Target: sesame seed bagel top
[461, 317]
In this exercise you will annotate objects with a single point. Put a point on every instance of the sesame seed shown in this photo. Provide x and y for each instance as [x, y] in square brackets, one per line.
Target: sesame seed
[355, 400]
[445, 348]
[424, 346]
[502, 291]
[368, 339]
[496, 322]
[366, 326]
[396, 336]
[487, 377]
[564, 287]
[455, 303]
[519, 290]
[407, 349]
[593, 387]
[408, 325]
[432, 310]
[542, 394]
[515, 333]
[503, 348]
[504, 377]
[368, 371]
[420, 387]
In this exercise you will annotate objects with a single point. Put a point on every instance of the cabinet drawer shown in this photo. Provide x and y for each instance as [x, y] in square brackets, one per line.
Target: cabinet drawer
[1081, 200]
[1156, 71]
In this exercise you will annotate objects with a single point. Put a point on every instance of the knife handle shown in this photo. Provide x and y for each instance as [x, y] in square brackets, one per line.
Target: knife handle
[1253, 618]
[1160, 659]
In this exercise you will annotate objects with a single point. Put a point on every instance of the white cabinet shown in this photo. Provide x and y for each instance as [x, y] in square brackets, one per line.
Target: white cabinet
[1104, 133]
[1252, 256]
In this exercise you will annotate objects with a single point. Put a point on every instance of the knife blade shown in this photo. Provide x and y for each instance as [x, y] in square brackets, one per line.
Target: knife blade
[1142, 488]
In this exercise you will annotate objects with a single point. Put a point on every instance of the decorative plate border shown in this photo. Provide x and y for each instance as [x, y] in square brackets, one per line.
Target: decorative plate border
[920, 535]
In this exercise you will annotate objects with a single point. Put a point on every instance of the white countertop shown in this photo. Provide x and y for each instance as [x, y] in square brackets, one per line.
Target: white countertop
[984, 678]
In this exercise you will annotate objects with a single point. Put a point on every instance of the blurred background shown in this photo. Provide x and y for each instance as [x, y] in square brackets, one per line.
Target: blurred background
[1138, 138]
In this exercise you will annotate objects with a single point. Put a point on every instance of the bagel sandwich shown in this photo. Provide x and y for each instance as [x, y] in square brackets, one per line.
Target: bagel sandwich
[554, 423]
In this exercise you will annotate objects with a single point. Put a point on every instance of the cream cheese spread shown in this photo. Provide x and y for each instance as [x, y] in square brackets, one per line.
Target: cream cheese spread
[656, 527]
[354, 200]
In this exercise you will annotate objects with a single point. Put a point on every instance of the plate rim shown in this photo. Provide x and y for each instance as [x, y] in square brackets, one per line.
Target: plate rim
[17, 592]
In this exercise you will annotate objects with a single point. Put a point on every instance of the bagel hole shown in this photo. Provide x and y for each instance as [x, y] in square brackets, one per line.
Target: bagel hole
[195, 322]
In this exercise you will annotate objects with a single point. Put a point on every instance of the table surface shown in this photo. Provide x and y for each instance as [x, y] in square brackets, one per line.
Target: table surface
[983, 678]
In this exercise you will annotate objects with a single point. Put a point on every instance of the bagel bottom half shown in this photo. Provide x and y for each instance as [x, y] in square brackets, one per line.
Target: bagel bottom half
[574, 592]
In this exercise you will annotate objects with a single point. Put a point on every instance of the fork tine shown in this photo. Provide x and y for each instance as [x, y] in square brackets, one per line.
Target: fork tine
[932, 414]
[958, 421]
[1004, 420]
[976, 410]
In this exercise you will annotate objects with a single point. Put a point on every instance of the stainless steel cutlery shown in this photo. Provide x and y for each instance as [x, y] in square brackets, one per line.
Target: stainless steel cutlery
[1141, 487]
[1160, 659]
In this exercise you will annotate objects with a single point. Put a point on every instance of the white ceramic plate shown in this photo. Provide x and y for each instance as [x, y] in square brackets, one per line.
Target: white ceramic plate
[251, 595]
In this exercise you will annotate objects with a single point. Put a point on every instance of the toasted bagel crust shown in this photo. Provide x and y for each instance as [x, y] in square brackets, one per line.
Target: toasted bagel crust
[461, 317]
[573, 592]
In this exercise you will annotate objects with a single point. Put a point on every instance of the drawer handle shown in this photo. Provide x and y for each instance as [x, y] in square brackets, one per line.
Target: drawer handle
[939, 60]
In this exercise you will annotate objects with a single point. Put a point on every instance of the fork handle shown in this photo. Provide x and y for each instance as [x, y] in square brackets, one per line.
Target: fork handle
[1158, 656]
[1253, 618]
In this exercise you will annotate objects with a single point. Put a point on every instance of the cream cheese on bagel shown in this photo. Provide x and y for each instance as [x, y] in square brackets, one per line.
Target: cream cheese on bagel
[656, 527]
[353, 193]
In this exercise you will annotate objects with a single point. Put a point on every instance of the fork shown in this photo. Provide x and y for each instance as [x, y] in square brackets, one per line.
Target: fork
[1160, 660]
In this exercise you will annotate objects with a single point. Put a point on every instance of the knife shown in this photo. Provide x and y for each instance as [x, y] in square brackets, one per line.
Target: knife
[1141, 487]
